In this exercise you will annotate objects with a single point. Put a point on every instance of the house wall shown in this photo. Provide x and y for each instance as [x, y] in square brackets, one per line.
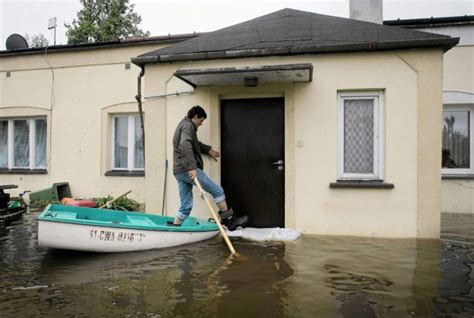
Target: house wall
[411, 81]
[84, 88]
[77, 91]
[457, 194]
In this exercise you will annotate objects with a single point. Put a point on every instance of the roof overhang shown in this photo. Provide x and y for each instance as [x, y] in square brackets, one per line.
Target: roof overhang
[247, 76]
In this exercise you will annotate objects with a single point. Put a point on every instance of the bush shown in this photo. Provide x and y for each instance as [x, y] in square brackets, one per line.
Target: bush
[122, 204]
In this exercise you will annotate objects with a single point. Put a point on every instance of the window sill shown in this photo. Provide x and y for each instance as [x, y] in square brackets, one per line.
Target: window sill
[361, 184]
[23, 171]
[120, 173]
[457, 177]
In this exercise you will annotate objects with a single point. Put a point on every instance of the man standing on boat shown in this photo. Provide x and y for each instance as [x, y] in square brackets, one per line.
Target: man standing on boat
[188, 164]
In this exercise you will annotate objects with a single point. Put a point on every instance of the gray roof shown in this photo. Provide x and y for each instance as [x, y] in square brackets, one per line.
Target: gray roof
[291, 32]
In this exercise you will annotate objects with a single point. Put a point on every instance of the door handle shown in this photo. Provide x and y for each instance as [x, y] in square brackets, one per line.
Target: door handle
[278, 163]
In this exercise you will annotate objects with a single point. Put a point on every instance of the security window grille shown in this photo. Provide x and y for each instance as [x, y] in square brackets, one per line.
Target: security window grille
[360, 135]
[23, 143]
[127, 143]
[457, 150]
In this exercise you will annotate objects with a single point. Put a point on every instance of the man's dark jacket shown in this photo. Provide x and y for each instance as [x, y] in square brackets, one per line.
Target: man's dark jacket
[186, 147]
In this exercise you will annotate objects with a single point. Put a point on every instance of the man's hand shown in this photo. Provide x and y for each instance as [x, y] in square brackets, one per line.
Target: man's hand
[214, 154]
[192, 173]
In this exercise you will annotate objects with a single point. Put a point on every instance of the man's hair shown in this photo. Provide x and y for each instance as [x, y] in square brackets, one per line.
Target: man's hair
[197, 110]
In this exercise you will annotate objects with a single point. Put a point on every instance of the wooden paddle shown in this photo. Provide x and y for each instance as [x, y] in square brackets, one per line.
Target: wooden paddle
[216, 217]
[113, 200]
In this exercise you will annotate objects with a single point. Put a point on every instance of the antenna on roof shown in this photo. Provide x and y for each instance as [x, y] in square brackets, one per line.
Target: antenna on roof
[52, 25]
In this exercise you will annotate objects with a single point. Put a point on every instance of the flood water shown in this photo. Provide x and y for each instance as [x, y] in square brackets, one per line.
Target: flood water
[315, 276]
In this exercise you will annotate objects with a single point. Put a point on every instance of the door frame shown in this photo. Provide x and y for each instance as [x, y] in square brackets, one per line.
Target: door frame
[287, 92]
[214, 95]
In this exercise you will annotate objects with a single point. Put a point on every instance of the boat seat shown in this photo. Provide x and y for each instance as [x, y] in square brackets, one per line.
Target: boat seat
[140, 220]
[67, 215]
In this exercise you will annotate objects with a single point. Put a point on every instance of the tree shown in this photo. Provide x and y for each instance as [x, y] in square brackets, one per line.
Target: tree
[104, 20]
[38, 40]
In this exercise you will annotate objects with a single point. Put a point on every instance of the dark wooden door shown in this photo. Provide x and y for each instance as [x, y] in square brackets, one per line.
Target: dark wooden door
[253, 149]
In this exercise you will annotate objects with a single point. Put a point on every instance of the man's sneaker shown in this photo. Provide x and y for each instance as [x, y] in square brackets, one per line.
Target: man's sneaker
[236, 221]
[226, 215]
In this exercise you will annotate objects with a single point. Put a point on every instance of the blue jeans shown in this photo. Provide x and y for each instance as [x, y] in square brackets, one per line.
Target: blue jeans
[185, 187]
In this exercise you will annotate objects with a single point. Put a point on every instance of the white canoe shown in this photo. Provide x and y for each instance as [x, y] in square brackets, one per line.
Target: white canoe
[96, 230]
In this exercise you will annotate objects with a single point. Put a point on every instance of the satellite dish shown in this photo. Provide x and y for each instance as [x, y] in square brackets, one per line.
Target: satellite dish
[16, 42]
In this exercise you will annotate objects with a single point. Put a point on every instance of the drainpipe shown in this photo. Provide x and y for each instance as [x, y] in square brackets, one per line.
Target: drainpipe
[138, 97]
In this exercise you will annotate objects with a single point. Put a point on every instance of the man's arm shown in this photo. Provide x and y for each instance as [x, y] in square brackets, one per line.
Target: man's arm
[204, 148]
[207, 150]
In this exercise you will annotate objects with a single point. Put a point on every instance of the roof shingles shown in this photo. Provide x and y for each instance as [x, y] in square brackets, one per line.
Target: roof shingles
[288, 32]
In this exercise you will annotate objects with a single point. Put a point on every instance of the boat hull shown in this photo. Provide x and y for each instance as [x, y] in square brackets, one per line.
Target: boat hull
[108, 240]
[106, 231]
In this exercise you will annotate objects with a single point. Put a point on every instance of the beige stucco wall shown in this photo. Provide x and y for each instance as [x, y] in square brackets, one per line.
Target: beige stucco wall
[458, 195]
[459, 69]
[411, 81]
[78, 97]
[89, 86]
[429, 68]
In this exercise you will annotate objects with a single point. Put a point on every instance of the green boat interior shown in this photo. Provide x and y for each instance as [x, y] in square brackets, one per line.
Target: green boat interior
[121, 219]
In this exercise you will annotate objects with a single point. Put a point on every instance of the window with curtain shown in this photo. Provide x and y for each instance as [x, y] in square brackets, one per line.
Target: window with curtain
[127, 152]
[359, 136]
[23, 143]
[456, 143]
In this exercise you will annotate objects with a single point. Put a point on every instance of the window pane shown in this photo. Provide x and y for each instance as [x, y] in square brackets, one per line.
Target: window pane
[456, 150]
[139, 158]
[4, 144]
[40, 143]
[21, 143]
[121, 142]
[359, 136]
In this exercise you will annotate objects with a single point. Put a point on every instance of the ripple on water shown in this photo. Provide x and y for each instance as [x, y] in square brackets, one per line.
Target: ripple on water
[313, 276]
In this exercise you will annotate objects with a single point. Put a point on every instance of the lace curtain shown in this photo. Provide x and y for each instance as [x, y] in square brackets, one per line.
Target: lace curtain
[40, 143]
[3, 144]
[139, 158]
[121, 142]
[21, 143]
[359, 136]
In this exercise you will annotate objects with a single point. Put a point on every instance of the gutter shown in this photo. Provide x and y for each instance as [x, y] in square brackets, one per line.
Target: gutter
[142, 60]
[431, 22]
[153, 40]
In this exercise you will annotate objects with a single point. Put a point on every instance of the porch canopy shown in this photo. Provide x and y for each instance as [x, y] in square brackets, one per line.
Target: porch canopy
[248, 76]
[294, 32]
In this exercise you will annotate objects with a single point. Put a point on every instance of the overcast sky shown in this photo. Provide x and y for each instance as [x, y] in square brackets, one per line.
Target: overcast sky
[186, 16]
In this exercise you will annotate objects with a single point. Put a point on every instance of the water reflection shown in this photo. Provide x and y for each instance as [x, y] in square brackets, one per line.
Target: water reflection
[357, 295]
[256, 288]
[314, 276]
[455, 290]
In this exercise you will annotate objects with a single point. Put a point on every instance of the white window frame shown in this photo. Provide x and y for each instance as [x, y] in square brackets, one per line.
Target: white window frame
[378, 98]
[32, 142]
[130, 143]
[461, 171]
